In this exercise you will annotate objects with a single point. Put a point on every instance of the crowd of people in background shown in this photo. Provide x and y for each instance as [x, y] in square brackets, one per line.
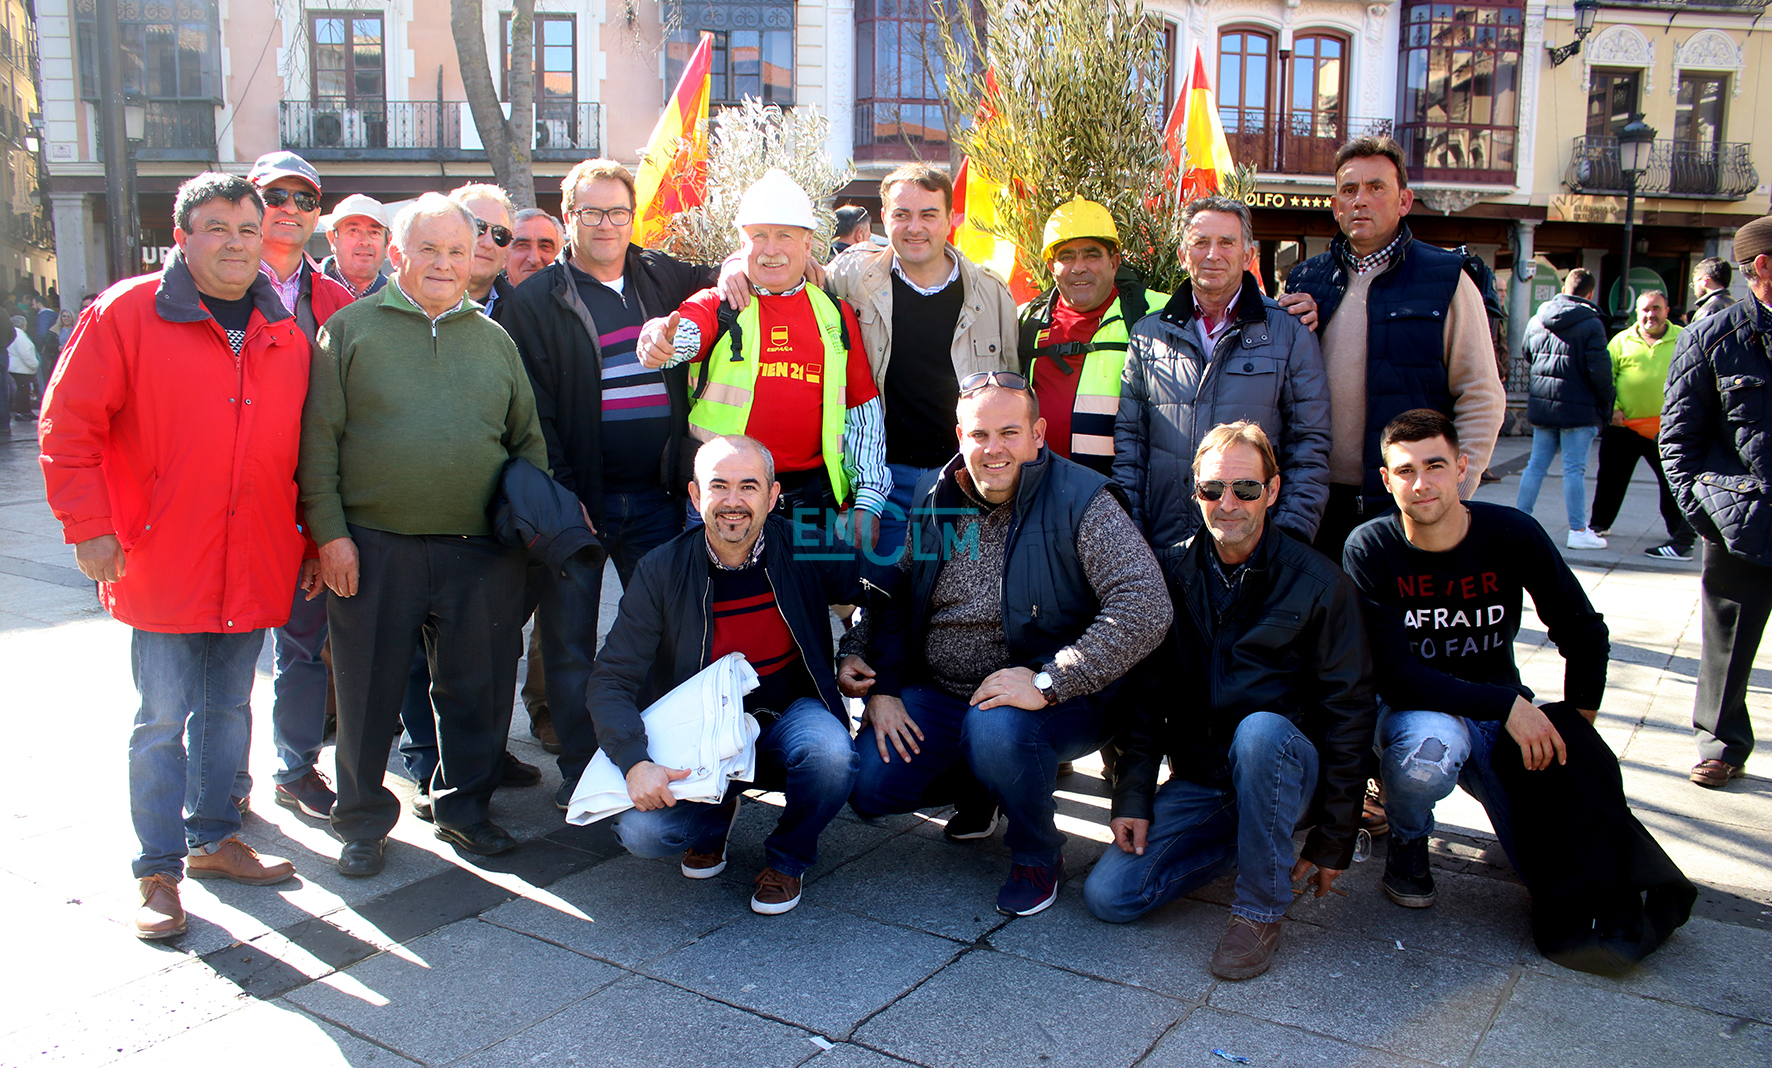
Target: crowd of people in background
[1215, 529]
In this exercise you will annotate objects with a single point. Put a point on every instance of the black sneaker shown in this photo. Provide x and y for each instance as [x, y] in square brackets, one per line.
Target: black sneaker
[1030, 889]
[1670, 551]
[967, 824]
[1407, 880]
[563, 796]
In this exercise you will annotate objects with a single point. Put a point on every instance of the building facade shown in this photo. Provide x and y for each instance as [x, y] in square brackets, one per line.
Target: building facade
[1509, 153]
[27, 251]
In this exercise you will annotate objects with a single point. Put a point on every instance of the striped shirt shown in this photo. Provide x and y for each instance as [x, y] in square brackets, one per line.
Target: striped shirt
[636, 408]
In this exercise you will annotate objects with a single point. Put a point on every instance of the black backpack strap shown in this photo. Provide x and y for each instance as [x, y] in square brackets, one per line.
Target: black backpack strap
[726, 322]
[842, 320]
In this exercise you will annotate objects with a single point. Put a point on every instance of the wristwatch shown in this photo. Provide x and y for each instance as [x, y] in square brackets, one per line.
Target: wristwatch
[1043, 683]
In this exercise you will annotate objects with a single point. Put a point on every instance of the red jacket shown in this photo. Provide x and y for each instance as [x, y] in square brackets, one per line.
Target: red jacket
[153, 430]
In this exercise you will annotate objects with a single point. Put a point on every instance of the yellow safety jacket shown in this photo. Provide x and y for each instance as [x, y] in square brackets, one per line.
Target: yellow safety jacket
[1103, 357]
[720, 395]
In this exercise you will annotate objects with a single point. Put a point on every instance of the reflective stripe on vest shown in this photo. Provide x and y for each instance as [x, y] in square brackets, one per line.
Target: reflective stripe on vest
[1098, 391]
[725, 405]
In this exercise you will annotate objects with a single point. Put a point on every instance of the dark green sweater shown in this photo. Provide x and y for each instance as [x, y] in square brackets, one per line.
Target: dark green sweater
[408, 423]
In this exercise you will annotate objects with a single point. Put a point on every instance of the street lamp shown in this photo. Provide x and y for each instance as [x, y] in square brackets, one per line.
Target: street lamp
[1585, 13]
[135, 131]
[1636, 144]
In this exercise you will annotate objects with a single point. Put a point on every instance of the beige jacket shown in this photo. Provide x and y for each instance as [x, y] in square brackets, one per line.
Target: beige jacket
[984, 339]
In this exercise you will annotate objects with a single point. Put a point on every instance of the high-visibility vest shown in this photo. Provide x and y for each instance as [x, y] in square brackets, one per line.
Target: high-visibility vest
[721, 403]
[1104, 358]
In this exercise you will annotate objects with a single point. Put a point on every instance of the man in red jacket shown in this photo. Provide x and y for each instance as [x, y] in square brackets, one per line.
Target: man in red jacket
[170, 436]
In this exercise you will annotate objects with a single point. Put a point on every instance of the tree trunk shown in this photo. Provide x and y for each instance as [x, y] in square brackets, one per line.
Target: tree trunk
[507, 141]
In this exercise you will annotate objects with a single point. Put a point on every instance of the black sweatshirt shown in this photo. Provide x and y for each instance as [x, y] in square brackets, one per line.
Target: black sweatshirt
[1443, 624]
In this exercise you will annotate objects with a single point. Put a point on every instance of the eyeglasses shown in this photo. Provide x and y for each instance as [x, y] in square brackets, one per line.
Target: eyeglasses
[501, 235]
[1007, 379]
[595, 216]
[276, 198]
[1246, 489]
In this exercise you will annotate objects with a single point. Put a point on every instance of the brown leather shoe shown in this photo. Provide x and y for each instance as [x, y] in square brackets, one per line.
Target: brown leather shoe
[161, 915]
[1372, 818]
[541, 727]
[776, 892]
[1246, 949]
[1713, 773]
[240, 862]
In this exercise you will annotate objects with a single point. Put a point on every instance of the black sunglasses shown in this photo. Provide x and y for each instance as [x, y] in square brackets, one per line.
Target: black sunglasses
[276, 198]
[501, 236]
[1007, 379]
[1246, 489]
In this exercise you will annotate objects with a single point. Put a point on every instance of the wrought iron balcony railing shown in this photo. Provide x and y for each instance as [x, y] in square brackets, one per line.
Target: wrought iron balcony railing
[1700, 170]
[568, 131]
[175, 130]
[332, 129]
[1295, 143]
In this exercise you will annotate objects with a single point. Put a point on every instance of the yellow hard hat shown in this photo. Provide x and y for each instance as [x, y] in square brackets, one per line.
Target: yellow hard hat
[1079, 218]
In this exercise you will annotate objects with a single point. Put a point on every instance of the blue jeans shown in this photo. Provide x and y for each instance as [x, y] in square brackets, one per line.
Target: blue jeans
[298, 717]
[1423, 755]
[1199, 831]
[189, 738]
[898, 508]
[1574, 443]
[806, 753]
[1014, 752]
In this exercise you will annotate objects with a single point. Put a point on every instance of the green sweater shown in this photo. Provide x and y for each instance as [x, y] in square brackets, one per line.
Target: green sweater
[1639, 370]
[408, 423]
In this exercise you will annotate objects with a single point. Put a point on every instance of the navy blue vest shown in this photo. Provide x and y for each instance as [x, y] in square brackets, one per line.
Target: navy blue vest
[1047, 599]
[1406, 310]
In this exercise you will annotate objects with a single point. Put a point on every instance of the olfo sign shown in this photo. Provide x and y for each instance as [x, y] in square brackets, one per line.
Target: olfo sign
[1267, 199]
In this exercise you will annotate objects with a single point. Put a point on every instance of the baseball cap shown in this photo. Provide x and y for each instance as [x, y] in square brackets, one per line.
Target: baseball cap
[355, 204]
[274, 165]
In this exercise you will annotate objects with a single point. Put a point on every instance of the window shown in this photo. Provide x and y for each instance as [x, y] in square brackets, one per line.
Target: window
[900, 82]
[1245, 90]
[1461, 78]
[1283, 111]
[556, 61]
[1698, 109]
[346, 55]
[753, 50]
[170, 49]
[1611, 101]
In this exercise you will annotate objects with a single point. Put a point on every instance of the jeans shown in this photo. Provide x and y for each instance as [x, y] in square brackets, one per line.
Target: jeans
[189, 737]
[1014, 752]
[1620, 449]
[298, 716]
[1574, 442]
[898, 508]
[1198, 831]
[1734, 603]
[1423, 755]
[807, 752]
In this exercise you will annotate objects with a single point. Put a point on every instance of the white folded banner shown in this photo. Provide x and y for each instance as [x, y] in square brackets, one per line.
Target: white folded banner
[701, 725]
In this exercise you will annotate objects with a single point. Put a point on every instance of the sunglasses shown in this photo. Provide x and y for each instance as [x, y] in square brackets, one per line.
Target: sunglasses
[1246, 489]
[276, 198]
[501, 235]
[595, 216]
[1007, 379]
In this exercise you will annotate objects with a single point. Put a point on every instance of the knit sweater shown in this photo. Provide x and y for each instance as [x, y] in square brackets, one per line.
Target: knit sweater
[409, 422]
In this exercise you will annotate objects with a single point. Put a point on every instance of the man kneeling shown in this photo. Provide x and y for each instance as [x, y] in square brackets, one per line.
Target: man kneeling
[1270, 630]
[734, 584]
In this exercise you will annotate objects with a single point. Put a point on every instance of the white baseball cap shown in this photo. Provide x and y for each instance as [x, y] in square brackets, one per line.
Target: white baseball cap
[775, 198]
[355, 204]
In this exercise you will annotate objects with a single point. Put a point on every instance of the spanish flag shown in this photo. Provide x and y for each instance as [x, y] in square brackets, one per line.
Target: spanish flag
[674, 174]
[1194, 139]
[975, 207]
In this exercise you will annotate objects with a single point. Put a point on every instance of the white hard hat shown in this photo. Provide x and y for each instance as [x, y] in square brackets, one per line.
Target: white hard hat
[355, 204]
[778, 199]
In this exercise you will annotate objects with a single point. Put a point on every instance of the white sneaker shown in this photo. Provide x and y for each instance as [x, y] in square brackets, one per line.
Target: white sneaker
[1585, 539]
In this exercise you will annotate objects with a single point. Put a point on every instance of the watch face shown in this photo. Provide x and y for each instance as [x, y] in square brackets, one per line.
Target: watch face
[1043, 681]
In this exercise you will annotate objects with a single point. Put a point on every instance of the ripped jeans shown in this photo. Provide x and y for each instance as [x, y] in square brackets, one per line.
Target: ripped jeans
[1424, 755]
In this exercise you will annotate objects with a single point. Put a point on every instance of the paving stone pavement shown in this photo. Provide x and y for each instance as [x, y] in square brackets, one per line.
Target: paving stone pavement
[568, 951]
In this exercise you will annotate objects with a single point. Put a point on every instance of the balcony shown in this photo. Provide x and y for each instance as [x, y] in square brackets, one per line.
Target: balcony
[1695, 170]
[360, 129]
[901, 130]
[174, 130]
[1297, 143]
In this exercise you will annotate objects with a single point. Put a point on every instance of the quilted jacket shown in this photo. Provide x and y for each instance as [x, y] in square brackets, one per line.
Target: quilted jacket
[1714, 445]
[1571, 369]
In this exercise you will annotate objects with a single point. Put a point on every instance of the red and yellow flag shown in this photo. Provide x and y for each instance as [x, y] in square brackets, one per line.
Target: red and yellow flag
[1194, 138]
[673, 176]
[975, 207]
